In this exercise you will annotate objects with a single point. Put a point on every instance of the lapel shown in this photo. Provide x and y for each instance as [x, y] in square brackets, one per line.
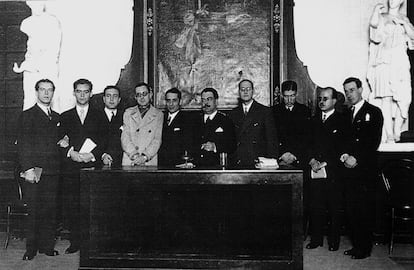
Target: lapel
[148, 117]
[248, 119]
[360, 114]
[41, 112]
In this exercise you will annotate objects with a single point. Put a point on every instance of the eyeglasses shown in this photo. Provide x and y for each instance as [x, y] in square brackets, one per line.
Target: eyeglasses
[138, 95]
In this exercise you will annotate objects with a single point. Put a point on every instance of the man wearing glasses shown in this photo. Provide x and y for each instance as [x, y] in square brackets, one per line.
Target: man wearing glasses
[142, 130]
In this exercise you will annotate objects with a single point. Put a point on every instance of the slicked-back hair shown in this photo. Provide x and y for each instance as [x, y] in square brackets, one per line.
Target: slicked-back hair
[353, 79]
[174, 91]
[246, 80]
[289, 86]
[82, 81]
[333, 91]
[143, 84]
[211, 90]
[44, 81]
[112, 87]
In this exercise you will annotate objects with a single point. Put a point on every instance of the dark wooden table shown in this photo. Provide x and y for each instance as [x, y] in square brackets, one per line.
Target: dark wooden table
[169, 218]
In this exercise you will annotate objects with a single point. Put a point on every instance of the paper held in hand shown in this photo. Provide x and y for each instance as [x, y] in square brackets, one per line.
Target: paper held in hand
[87, 146]
[321, 173]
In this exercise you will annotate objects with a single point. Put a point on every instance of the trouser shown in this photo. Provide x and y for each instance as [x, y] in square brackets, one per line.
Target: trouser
[326, 196]
[71, 205]
[41, 207]
[359, 208]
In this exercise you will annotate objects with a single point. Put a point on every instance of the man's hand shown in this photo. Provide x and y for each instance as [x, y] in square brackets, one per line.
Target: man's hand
[209, 146]
[287, 158]
[30, 176]
[75, 156]
[64, 142]
[315, 165]
[87, 157]
[107, 159]
[350, 162]
[139, 160]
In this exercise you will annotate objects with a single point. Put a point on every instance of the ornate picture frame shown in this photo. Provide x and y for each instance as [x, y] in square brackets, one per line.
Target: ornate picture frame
[194, 44]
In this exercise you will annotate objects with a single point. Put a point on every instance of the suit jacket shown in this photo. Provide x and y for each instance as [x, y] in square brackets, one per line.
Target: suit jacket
[77, 132]
[37, 140]
[141, 135]
[364, 139]
[293, 130]
[327, 142]
[256, 134]
[219, 130]
[176, 138]
[111, 141]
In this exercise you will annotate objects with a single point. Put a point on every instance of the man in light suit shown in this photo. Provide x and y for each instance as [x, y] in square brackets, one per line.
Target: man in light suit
[112, 126]
[214, 133]
[37, 147]
[142, 130]
[328, 133]
[78, 124]
[255, 129]
[176, 131]
[360, 161]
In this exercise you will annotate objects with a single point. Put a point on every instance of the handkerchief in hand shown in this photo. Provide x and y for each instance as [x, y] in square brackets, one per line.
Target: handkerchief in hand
[219, 129]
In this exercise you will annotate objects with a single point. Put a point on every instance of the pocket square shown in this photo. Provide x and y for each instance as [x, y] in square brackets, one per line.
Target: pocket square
[335, 131]
[58, 124]
[219, 129]
[177, 129]
[255, 124]
[367, 117]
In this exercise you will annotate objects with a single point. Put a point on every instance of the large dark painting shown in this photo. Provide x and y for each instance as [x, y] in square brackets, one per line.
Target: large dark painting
[199, 44]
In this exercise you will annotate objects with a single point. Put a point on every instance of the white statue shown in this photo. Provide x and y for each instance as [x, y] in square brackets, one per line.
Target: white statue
[388, 74]
[43, 47]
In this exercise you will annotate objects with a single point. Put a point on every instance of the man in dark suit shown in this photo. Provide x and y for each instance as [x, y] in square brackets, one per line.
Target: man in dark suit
[329, 129]
[360, 161]
[292, 123]
[255, 129]
[78, 124]
[176, 131]
[37, 148]
[214, 133]
[112, 127]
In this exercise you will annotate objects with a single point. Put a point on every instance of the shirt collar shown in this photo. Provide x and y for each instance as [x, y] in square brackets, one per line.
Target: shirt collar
[84, 108]
[289, 108]
[328, 113]
[358, 106]
[246, 107]
[172, 115]
[211, 116]
[44, 108]
[109, 112]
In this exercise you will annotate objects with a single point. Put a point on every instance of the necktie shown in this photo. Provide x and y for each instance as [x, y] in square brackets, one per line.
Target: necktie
[82, 115]
[169, 120]
[352, 111]
[49, 113]
[245, 111]
[208, 120]
[112, 116]
[323, 117]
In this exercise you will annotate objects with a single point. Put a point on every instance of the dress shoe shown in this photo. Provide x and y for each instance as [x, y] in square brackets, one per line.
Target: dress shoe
[28, 255]
[50, 252]
[333, 247]
[360, 255]
[349, 252]
[313, 245]
[72, 249]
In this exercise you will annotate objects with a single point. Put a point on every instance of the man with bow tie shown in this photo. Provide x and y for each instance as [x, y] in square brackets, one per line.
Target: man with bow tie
[328, 133]
[37, 143]
[255, 129]
[360, 163]
[215, 131]
[176, 131]
[112, 127]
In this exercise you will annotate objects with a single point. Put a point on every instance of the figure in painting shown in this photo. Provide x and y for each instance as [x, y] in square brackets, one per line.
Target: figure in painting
[388, 74]
[43, 47]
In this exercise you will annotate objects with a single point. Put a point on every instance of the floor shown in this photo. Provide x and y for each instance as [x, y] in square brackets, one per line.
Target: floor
[318, 259]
